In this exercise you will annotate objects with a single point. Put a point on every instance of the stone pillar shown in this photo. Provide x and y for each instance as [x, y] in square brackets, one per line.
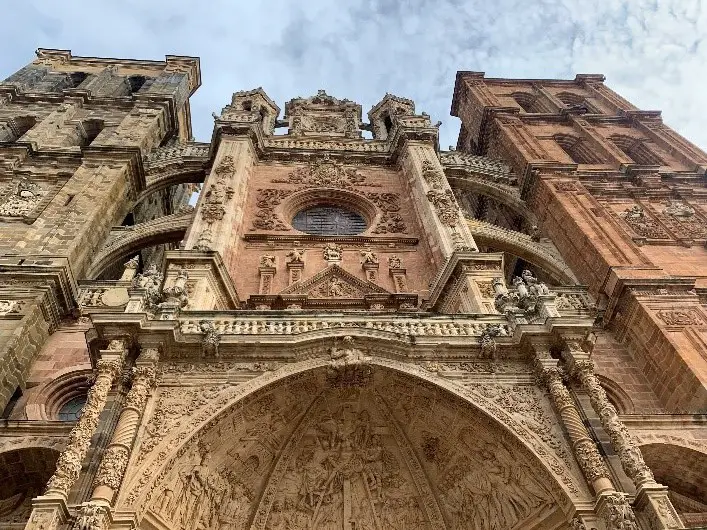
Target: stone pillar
[115, 459]
[69, 464]
[621, 440]
[49, 511]
[219, 212]
[438, 210]
[584, 448]
[267, 270]
[651, 498]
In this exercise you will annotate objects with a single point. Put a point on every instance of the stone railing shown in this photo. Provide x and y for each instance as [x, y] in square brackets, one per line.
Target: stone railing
[287, 324]
[497, 170]
[176, 152]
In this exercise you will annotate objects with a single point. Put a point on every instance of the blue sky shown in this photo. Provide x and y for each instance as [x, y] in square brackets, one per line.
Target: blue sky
[653, 52]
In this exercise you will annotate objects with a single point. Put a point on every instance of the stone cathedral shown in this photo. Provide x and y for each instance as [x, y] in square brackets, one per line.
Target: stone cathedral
[352, 329]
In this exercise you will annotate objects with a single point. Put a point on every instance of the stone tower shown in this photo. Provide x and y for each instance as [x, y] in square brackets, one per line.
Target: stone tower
[345, 332]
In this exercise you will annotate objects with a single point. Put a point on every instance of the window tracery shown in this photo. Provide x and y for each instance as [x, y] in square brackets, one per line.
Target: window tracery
[329, 220]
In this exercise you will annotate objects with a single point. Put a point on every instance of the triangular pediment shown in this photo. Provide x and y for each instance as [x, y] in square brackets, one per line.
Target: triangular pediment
[334, 282]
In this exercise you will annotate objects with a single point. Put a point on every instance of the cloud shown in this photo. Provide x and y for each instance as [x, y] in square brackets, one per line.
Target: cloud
[653, 52]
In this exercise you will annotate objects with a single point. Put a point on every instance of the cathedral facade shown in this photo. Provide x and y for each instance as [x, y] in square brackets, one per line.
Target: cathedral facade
[352, 329]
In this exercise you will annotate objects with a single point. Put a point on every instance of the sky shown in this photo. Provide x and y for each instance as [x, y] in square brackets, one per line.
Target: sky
[653, 52]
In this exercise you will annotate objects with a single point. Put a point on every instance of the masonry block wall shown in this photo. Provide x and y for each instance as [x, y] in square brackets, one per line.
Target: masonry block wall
[622, 197]
[73, 134]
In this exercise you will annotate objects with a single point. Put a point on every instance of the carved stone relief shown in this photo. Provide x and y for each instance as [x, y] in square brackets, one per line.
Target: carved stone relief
[337, 450]
[327, 173]
[642, 223]
[22, 198]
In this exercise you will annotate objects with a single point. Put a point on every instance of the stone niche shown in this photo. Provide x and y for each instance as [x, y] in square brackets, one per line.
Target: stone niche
[350, 446]
[323, 115]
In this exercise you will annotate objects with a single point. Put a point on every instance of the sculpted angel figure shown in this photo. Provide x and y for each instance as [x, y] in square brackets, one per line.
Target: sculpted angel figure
[348, 355]
[368, 257]
[296, 255]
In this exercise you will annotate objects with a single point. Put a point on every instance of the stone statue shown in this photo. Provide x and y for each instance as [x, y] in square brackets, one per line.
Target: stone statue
[332, 252]
[267, 261]
[535, 286]
[368, 257]
[348, 355]
[296, 255]
[394, 262]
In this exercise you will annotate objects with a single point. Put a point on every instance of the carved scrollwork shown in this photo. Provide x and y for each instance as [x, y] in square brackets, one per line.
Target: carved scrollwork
[265, 217]
[643, 224]
[445, 205]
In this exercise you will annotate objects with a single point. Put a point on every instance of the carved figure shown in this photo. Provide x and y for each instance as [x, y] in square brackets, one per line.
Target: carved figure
[394, 262]
[368, 257]
[296, 255]
[267, 261]
[348, 355]
[535, 286]
[619, 515]
[332, 252]
[26, 196]
[211, 337]
[679, 209]
[91, 517]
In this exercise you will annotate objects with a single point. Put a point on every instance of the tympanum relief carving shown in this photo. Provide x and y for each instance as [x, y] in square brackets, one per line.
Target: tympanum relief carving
[322, 451]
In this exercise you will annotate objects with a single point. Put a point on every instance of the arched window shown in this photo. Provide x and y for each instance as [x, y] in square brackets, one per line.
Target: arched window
[72, 409]
[636, 150]
[329, 220]
[14, 129]
[576, 149]
[136, 82]
[76, 78]
[527, 102]
[91, 129]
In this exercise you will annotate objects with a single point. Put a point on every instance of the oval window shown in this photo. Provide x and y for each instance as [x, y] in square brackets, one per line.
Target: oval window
[327, 220]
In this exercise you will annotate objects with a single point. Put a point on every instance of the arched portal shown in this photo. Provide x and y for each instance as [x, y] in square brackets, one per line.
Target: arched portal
[341, 447]
[23, 475]
[684, 471]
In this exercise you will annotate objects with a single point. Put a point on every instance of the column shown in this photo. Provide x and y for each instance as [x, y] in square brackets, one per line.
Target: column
[115, 459]
[652, 500]
[621, 440]
[584, 448]
[49, 511]
[68, 466]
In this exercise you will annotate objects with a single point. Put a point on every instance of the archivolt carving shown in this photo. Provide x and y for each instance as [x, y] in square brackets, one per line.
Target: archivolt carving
[345, 452]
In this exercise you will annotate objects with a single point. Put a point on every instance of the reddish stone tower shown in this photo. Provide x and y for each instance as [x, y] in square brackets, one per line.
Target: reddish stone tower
[622, 197]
